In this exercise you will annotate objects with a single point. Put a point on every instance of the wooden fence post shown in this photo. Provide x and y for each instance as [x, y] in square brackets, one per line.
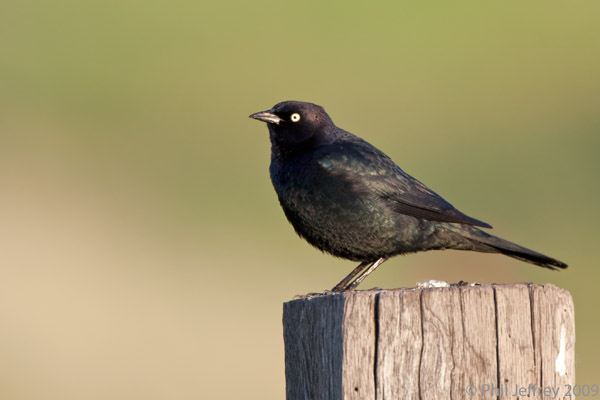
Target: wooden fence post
[461, 342]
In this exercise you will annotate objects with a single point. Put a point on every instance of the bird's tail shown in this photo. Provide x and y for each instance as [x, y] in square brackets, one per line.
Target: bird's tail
[492, 244]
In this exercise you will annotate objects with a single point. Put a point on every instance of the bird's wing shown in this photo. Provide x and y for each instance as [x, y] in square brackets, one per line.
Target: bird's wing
[359, 162]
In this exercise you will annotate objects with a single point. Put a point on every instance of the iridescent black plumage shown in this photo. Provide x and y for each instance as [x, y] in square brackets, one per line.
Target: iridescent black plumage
[346, 197]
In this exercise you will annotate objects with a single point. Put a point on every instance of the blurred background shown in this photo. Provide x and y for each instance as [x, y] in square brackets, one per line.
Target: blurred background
[143, 253]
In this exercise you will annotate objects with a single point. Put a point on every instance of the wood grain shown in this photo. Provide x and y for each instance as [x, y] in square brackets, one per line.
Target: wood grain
[461, 342]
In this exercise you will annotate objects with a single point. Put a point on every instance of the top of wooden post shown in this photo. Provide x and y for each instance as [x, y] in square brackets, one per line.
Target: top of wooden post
[454, 342]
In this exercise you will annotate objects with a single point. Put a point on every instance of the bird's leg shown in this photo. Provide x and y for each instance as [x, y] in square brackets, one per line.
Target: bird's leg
[340, 286]
[365, 273]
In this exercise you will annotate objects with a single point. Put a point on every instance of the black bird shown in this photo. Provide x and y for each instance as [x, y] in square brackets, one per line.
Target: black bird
[348, 198]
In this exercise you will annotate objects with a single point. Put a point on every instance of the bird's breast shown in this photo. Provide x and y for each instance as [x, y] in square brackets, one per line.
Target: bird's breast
[333, 212]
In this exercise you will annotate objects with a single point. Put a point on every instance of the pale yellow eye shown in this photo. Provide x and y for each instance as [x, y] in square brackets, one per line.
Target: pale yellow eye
[295, 117]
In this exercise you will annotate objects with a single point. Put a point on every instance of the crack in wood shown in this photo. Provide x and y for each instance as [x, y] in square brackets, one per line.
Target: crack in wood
[422, 345]
[498, 382]
[376, 349]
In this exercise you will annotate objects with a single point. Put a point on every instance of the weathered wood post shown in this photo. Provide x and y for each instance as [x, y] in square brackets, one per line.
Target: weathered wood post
[461, 342]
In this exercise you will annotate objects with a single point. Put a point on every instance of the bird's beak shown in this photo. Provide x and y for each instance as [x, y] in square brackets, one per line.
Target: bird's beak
[267, 116]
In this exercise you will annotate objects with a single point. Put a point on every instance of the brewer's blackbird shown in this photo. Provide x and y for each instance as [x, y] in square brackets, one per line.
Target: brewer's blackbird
[349, 199]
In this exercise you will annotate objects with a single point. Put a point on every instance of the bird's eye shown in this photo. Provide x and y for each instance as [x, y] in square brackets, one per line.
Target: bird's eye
[295, 117]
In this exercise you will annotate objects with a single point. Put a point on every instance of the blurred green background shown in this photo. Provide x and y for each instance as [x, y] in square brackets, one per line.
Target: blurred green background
[143, 253]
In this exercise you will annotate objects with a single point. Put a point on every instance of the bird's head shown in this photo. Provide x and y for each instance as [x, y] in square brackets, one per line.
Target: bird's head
[295, 126]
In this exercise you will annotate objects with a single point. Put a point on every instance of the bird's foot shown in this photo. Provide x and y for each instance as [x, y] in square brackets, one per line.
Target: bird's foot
[311, 295]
